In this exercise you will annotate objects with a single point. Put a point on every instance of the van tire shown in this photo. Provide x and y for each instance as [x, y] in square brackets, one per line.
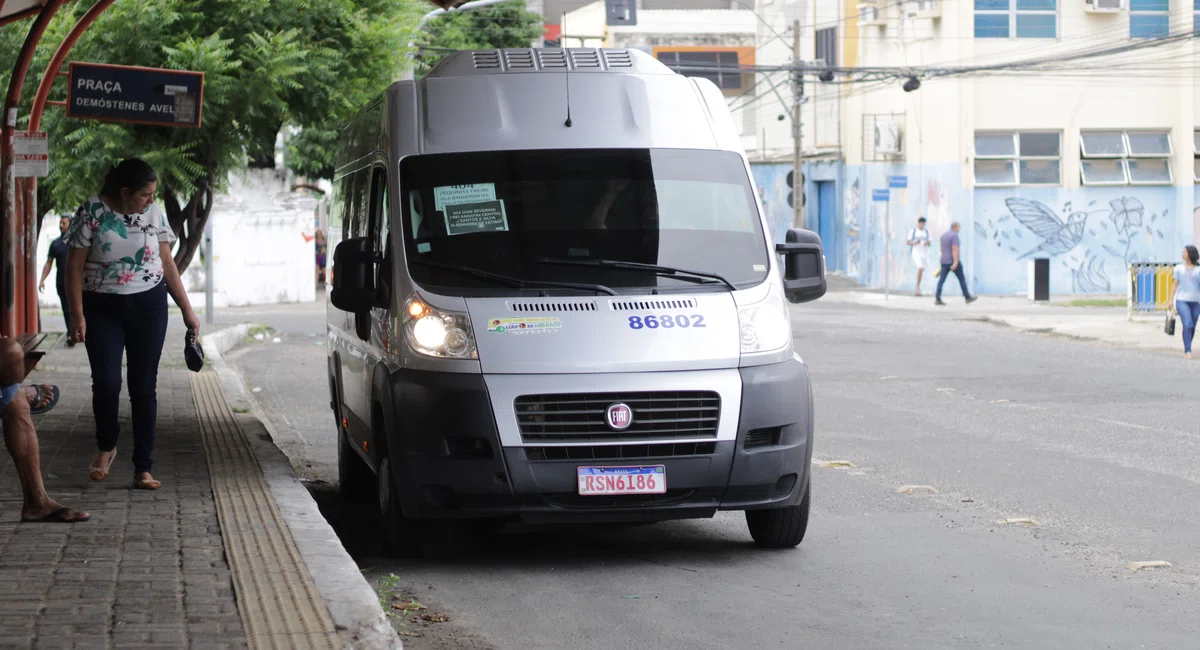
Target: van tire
[780, 527]
[355, 478]
[400, 534]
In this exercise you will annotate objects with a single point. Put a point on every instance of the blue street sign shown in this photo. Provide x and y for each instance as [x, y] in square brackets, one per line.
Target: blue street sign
[898, 182]
[879, 195]
[117, 93]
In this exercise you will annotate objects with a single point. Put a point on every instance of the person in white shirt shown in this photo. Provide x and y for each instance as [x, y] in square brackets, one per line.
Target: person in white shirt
[918, 241]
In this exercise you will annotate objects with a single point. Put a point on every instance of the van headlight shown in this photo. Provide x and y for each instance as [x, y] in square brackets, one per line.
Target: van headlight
[436, 333]
[765, 326]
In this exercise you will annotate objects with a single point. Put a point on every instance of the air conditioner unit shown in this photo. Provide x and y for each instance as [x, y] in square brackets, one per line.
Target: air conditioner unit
[871, 14]
[889, 140]
[923, 9]
[1104, 6]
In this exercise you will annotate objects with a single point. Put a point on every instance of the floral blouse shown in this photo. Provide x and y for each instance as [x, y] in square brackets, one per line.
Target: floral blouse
[123, 249]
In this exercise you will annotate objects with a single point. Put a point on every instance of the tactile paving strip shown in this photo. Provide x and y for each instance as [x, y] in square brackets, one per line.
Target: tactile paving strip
[278, 603]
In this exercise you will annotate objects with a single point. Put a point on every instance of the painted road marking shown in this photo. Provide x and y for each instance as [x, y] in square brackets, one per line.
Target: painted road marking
[1120, 423]
[1018, 520]
[837, 463]
[889, 377]
[1150, 564]
[908, 489]
[999, 401]
[945, 390]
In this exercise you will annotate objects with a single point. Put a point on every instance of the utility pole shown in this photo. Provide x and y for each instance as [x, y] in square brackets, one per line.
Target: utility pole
[797, 131]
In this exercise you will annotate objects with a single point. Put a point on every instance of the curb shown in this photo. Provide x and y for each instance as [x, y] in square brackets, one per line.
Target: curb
[351, 601]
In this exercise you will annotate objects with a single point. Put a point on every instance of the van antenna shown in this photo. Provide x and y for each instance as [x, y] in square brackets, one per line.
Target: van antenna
[567, 68]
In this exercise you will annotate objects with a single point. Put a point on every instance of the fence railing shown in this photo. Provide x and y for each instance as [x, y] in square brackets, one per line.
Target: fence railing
[1149, 288]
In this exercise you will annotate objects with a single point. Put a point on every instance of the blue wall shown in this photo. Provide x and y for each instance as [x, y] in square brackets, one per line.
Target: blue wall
[1089, 234]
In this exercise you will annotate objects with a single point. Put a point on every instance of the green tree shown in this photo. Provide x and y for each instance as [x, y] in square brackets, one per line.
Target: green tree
[312, 152]
[507, 24]
[298, 62]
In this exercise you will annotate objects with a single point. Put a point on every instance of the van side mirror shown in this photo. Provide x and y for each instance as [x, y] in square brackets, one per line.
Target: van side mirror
[803, 266]
[353, 287]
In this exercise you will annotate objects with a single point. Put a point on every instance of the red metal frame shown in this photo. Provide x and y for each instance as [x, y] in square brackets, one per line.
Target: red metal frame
[40, 100]
[199, 102]
[15, 255]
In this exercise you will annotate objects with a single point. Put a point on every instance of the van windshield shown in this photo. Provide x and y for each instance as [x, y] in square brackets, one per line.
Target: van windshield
[610, 217]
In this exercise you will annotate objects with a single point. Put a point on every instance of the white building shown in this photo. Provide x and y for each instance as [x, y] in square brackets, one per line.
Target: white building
[1090, 161]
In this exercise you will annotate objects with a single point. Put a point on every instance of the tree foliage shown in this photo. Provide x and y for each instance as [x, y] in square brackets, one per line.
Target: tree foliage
[307, 63]
[507, 24]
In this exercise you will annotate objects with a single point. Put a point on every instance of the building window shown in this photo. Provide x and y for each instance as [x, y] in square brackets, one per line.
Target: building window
[1017, 158]
[1196, 151]
[1195, 18]
[1017, 18]
[1125, 157]
[1150, 18]
[719, 65]
[827, 45]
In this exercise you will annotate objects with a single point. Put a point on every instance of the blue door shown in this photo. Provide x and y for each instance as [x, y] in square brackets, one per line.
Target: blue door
[827, 222]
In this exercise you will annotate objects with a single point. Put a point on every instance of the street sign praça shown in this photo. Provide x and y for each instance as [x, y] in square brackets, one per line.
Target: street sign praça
[117, 93]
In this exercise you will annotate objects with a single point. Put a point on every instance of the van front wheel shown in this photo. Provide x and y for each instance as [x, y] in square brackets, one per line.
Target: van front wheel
[780, 527]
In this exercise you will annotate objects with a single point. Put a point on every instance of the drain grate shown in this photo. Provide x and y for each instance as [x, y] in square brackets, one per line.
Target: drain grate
[277, 601]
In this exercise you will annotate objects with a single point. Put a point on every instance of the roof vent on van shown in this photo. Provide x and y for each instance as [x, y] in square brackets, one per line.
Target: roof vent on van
[486, 59]
[528, 307]
[584, 58]
[618, 58]
[533, 60]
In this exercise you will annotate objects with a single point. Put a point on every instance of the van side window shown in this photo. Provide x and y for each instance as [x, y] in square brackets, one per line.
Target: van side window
[358, 215]
[380, 223]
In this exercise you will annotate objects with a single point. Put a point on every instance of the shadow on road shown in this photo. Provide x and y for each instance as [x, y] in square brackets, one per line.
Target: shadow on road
[520, 545]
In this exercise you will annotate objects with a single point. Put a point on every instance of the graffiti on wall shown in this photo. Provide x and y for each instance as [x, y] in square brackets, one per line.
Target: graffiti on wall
[1092, 242]
[851, 202]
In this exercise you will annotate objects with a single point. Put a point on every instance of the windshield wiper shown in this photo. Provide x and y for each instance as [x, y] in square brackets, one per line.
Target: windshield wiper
[670, 271]
[511, 281]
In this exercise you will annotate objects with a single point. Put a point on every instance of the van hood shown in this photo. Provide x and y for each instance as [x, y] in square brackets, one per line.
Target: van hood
[605, 334]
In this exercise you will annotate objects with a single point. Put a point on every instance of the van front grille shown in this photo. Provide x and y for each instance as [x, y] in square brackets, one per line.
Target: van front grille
[621, 452]
[581, 417]
[646, 305]
[526, 307]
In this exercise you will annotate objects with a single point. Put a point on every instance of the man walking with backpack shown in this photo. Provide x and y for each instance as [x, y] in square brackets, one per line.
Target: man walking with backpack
[918, 241]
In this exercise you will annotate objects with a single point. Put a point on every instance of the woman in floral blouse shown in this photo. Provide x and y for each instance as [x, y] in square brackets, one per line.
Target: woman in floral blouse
[119, 272]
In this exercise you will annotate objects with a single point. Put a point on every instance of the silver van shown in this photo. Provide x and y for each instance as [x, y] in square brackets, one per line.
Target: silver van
[554, 298]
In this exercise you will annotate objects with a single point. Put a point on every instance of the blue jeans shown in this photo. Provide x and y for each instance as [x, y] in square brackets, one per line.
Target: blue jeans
[958, 272]
[1189, 314]
[118, 325]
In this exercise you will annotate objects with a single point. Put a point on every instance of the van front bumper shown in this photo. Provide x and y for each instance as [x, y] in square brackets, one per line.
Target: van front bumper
[454, 466]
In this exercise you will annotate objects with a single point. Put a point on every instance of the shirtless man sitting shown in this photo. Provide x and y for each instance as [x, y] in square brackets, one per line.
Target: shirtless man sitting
[20, 437]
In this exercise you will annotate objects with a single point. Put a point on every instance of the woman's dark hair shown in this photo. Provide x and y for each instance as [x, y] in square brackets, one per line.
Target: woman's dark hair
[1193, 254]
[131, 174]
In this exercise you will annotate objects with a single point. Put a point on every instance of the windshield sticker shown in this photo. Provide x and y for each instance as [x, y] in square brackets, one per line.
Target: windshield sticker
[544, 325]
[424, 247]
[462, 194]
[467, 218]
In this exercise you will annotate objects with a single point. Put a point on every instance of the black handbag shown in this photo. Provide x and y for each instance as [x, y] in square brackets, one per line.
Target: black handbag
[1169, 328]
[192, 352]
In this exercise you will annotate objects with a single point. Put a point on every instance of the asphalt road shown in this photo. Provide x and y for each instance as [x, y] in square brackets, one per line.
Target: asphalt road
[1099, 446]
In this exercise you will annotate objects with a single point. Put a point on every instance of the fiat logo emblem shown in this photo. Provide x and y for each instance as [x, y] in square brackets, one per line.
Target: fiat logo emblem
[619, 417]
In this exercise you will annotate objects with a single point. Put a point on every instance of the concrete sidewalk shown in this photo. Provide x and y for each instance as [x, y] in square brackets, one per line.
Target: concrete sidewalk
[230, 553]
[1108, 325]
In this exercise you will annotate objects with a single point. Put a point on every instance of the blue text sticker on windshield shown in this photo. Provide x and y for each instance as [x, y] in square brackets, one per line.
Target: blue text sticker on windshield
[424, 247]
[666, 322]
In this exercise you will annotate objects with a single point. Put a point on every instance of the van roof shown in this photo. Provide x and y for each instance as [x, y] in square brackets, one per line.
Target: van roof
[548, 60]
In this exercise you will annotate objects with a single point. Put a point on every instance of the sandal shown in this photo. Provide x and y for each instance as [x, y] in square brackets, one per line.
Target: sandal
[40, 395]
[59, 516]
[101, 473]
[148, 483]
